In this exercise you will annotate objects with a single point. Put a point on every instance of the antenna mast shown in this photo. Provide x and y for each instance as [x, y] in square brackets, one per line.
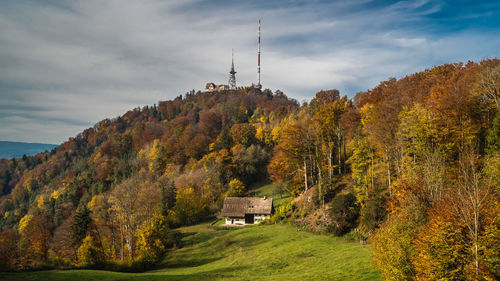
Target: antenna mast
[232, 76]
[258, 61]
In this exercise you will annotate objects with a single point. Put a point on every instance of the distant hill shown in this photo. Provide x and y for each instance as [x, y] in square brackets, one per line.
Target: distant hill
[10, 149]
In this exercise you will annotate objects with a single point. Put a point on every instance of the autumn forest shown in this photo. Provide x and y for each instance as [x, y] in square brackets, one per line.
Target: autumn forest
[411, 167]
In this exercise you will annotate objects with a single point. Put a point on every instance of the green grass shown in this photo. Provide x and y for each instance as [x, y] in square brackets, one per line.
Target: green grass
[268, 252]
[269, 190]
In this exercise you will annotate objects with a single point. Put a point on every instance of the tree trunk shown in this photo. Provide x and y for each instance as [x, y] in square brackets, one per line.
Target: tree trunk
[131, 243]
[122, 242]
[305, 174]
[345, 156]
[330, 163]
[371, 172]
[340, 150]
[388, 171]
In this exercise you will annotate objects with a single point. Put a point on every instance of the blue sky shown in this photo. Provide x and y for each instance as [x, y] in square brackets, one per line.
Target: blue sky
[65, 65]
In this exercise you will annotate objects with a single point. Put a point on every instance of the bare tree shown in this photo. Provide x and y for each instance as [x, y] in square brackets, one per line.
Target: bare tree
[472, 192]
[488, 85]
[133, 201]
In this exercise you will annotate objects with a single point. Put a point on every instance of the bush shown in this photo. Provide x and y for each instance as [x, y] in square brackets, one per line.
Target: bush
[344, 214]
[90, 254]
[154, 240]
[59, 262]
[284, 211]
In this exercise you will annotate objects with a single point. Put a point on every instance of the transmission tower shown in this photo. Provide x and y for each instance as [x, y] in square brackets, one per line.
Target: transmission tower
[232, 74]
[258, 60]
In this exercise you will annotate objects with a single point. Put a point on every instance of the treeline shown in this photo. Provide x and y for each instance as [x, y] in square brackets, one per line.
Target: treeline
[109, 196]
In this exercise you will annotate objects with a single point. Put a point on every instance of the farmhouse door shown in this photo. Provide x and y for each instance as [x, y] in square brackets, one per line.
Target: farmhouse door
[249, 219]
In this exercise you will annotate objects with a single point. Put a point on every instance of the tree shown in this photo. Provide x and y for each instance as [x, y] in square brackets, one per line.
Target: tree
[361, 162]
[35, 231]
[154, 239]
[324, 97]
[294, 152]
[393, 248]
[469, 201]
[488, 85]
[249, 163]
[243, 134]
[8, 249]
[441, 246]
[493, 137]
[90, 253]
[79, 226]
[236, 188]
[422, 150]
[132, 202]
[344, 213]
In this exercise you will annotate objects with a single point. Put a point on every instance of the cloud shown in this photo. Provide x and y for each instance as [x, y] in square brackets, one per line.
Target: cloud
[65, 65]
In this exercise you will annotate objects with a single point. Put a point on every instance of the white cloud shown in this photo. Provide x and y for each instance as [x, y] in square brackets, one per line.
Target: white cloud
[64, 67]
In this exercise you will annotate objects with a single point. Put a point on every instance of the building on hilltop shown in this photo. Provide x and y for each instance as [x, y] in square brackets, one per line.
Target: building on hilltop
[246, 210]
[211, 87]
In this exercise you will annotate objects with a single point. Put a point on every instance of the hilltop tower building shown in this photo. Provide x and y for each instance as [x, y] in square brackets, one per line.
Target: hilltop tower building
[232, 74]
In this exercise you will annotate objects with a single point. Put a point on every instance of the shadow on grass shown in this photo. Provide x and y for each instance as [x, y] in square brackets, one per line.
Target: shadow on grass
[187, 262]
[84, 275]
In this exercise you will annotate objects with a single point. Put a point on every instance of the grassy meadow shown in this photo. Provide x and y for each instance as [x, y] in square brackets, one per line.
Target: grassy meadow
[266, 252]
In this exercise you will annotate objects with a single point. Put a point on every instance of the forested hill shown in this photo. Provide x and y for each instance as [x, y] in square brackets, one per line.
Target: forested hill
[144, 142]
[402, 154]
[10, 149]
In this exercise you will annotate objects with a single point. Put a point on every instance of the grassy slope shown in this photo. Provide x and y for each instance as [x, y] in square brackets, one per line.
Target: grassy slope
[269, 191]
[273, 252]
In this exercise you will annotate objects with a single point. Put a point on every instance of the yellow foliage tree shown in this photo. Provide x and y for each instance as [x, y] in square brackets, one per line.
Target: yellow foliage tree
[90, 253]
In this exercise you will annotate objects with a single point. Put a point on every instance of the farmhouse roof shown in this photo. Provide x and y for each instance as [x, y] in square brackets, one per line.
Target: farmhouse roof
[239, 206]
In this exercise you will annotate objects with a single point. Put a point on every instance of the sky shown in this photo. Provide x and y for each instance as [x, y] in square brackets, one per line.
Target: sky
[66, 65]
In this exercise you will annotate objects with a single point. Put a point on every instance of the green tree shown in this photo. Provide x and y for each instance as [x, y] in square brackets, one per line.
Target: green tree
[344, 213]
[493, 137]
[79, 226]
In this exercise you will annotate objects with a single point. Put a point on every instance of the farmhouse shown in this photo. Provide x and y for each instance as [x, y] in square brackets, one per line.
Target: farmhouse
[246, 210]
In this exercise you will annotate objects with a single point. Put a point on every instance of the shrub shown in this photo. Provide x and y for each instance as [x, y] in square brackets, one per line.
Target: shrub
[284, 211]
[90, 254]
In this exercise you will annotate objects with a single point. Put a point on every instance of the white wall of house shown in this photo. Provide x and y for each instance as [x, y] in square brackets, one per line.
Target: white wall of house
[259, 218]
[239, 221]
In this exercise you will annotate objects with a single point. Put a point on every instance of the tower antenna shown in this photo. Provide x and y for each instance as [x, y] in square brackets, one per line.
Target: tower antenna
[258, 61]
[232, 73]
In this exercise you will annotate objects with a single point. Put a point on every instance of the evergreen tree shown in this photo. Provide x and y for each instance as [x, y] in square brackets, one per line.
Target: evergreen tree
[81, 221]
[493, 138]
